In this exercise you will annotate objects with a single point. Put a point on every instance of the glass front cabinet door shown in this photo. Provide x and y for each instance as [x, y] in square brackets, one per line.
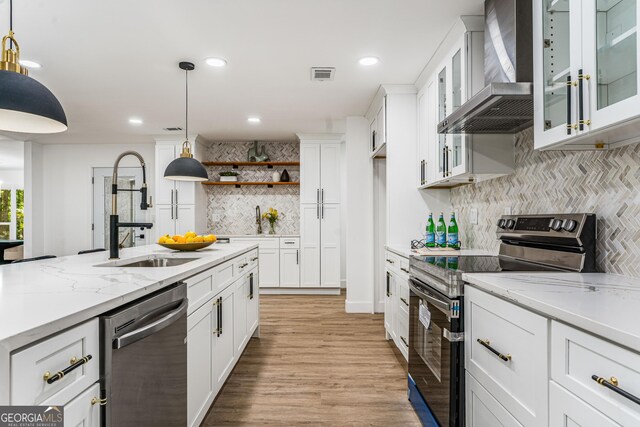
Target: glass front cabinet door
[586, 63]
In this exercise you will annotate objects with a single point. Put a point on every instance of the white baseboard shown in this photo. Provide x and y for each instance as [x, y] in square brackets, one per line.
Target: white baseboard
[357, 306]
[300, 291]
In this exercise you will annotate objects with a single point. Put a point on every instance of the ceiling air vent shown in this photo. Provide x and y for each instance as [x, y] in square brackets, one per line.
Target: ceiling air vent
[322, 74]
[173, 129]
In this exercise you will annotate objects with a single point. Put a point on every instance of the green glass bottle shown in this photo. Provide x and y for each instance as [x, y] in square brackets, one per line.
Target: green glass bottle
[441, 232]
[453, 241]
[430, 235]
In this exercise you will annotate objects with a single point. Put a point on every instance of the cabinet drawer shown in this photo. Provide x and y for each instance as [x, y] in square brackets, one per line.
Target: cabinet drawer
[404, 266]
[566, 409]
[403, 296]
[576, 356]
[392, 260]
[483, 410]
[223, 275]
[289, 243]
[262, 242]
[252, 259]
[512, 363]
[402, 333]
[199, 289]
[28, 367]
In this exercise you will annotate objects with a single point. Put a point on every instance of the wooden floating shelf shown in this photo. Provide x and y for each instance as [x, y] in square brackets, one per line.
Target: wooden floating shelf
[239, 184]
[236, 165]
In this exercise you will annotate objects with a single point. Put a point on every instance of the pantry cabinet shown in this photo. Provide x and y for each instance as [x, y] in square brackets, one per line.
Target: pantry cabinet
[456, 74]
[586, 73]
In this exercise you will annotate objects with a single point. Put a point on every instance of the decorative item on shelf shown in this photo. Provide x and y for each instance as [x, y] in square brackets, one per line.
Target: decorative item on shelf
[275, 176]
[273, 217]
[26, 105]
[228, 176]
[285, 176]
[257, 153]
[185, 167]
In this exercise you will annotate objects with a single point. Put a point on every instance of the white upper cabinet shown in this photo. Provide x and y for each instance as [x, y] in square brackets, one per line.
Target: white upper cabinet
[309, 173]
[454, 74]
[586, 73]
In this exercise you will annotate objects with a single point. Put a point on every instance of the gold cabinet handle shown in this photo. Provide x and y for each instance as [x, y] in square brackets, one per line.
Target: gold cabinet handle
[101, 402]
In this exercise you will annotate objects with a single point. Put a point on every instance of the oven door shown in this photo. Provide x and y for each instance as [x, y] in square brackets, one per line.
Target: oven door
[436, 352]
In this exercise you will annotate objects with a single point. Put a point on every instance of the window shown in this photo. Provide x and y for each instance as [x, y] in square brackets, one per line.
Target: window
[12, 214]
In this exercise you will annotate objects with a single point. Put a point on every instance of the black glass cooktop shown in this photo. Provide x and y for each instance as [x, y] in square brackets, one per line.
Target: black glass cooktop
[474, 264]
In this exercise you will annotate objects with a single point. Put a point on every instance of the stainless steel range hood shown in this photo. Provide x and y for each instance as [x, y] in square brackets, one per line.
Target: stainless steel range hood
[505, 105]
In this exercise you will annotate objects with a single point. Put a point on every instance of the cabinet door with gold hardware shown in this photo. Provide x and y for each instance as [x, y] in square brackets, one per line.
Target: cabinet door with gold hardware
[84, 410]
[506, 351]
[557, 58]
[610, 72]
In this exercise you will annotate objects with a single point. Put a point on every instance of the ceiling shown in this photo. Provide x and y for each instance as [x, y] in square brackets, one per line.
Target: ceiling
[108, 61]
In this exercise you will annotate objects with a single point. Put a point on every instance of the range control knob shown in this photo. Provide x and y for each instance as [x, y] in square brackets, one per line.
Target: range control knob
[569, 225]
[501, 223]
[556, 225]
[510, 224]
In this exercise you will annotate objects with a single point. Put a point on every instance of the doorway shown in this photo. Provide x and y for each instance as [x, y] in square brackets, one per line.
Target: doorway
[128, 207]
[379, 231]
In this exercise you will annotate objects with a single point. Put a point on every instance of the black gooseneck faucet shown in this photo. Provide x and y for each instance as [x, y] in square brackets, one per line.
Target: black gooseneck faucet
[114, 222]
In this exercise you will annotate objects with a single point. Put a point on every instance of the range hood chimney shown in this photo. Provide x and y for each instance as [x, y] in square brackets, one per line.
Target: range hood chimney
[505, 105]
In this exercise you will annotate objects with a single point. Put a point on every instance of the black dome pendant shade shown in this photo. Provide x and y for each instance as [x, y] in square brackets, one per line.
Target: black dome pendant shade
[25, 104]
[185, 167]
[28, 106]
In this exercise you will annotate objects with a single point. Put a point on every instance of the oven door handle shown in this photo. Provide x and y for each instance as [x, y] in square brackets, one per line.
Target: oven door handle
[152, 328]
[432, 298]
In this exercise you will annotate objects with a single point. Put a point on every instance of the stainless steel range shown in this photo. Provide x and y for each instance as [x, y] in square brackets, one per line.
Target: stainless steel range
[561, 242]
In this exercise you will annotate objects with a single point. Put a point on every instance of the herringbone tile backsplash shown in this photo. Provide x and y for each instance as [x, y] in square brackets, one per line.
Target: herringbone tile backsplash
[231, 210]
[605, 183]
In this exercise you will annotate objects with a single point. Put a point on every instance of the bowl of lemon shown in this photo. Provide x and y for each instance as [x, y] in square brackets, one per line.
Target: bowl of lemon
[188, 242]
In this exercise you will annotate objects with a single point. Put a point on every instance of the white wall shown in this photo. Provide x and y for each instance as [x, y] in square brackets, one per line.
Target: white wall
[33, 200]
[359, 217]
[11, 178]
[64, 171]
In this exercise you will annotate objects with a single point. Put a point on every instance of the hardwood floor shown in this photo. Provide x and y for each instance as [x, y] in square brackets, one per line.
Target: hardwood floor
[315, 365]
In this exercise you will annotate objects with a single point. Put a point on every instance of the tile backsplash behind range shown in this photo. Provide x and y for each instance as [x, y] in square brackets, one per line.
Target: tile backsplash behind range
[605, 183]
[231, 210]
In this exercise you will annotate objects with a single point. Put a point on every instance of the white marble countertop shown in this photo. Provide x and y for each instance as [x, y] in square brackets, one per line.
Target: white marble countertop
[603, 304]
[40, 298]
[406, 251]
[257, 236]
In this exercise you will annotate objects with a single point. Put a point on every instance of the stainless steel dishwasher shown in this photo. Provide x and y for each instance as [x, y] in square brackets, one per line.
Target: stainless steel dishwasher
[144, 361]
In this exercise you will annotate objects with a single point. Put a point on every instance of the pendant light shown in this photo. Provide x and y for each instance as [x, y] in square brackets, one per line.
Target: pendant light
[25, 105]
[185, 167]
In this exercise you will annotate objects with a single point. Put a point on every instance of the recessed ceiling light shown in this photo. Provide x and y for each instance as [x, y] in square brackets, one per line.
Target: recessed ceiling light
[135, 121]
[30, 64]
[254, 120]
[216, 62]
[369, 60]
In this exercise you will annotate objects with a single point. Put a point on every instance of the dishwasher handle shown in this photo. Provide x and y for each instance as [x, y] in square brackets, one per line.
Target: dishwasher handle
[151, 328]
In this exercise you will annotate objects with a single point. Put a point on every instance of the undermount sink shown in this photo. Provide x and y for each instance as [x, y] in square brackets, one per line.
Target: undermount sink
[149, 262]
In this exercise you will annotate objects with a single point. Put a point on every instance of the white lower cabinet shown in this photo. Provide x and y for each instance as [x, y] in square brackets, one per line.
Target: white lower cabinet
[84, 410]
[482, 409]
[279, 260]
[218, 332]
[524, 369]
[567, 410]
[396, 302]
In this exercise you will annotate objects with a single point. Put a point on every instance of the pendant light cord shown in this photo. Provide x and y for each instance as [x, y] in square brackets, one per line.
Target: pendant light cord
[10, 22]
[186, 103]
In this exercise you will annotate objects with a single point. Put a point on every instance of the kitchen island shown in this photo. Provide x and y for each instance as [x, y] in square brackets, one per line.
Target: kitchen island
[43, 300]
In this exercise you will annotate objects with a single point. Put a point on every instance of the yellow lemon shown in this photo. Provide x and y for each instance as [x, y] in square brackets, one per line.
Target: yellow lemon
[191, 239]
[190, 234]
[176, 237]
[170, 241]
[162, 239]
[198, 239]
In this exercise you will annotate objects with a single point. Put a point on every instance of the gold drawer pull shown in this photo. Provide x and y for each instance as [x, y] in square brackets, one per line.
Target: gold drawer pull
[487, 344]
[101, 402]
[50, 379]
